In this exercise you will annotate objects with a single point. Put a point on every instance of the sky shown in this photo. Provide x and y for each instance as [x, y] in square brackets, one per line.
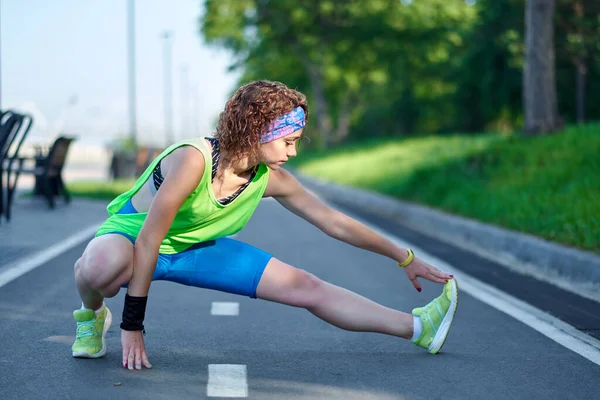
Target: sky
[65, 62]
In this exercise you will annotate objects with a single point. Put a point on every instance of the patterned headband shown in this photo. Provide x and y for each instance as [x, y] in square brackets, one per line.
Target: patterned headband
[284, 125]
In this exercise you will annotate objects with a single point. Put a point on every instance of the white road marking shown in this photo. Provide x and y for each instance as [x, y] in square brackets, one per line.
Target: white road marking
[227, 380]
[225, 308]
[549, 326]
[24, 265]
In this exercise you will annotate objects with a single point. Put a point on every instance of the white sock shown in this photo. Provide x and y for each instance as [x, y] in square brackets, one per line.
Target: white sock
[100, 309]
[83, 307]
[418, 328]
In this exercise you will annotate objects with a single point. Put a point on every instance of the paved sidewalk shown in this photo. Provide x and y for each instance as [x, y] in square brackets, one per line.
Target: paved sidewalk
[34, 226]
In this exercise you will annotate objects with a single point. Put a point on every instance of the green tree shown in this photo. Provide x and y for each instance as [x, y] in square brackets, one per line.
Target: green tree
[539, 78]
[344, 54]
[577, 41]
[490, 74]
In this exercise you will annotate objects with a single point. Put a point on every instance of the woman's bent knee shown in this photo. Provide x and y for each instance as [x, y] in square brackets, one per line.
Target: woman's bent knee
[98, 270]
[99, 266]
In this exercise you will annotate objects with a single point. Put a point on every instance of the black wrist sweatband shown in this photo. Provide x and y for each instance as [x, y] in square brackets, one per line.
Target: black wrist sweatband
[134, 312]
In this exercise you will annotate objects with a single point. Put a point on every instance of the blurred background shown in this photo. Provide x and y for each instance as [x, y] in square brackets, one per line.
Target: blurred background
[67, 63]
[484, 108]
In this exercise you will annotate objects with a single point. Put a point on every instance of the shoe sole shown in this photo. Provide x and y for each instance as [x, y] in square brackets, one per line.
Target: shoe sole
[440, 337]
[102, 352]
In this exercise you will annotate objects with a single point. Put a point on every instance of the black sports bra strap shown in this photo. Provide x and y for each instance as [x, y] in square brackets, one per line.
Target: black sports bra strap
[158, 178]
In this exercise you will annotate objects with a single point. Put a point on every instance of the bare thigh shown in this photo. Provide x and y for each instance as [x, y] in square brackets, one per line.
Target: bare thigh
[283, 283]
[106, 264]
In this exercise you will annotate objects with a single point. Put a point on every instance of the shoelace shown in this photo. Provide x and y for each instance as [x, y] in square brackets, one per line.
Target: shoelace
[85, 329]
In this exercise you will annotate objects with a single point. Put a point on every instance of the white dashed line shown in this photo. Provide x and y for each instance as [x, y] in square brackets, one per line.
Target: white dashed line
[225, 308]
[22, 266]
[227, 380]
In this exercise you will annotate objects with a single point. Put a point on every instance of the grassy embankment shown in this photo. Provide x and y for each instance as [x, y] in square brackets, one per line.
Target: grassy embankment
[548, 186]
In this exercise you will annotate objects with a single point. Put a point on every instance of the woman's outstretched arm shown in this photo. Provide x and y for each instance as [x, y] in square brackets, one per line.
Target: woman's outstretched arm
[286, 189]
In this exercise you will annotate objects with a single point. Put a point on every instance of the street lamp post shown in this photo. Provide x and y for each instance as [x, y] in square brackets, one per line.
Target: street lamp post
[131, 70]
[185, 101]
[168, 86]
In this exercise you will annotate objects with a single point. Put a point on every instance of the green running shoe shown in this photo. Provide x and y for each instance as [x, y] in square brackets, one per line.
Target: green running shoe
[90, 341]
[436, 318]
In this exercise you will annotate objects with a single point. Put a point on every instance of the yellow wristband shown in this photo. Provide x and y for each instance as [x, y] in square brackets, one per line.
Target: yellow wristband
[411, 256]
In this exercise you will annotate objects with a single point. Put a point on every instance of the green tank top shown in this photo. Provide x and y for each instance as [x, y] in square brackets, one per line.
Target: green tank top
[201, 217]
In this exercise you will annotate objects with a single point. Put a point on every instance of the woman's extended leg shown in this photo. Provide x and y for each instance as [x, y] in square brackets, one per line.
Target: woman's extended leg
[285, 284]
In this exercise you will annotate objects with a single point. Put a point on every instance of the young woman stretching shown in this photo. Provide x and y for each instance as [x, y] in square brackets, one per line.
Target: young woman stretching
[173, 225]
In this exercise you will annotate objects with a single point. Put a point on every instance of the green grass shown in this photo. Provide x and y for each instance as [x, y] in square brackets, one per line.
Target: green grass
[548, 186]
[100, 190]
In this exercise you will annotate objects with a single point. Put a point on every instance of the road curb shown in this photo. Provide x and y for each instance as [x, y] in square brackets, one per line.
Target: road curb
[572, 269]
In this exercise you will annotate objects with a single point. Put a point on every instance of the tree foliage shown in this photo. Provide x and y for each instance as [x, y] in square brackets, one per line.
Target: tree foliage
[399, 67]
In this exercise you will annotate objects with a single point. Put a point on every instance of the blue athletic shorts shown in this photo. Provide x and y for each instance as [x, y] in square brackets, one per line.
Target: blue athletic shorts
[223, 264]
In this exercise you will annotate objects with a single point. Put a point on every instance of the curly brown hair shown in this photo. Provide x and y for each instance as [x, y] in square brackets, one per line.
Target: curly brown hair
[250, 111]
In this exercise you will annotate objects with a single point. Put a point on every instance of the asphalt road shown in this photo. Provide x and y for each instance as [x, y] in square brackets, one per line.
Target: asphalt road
[287, 352]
